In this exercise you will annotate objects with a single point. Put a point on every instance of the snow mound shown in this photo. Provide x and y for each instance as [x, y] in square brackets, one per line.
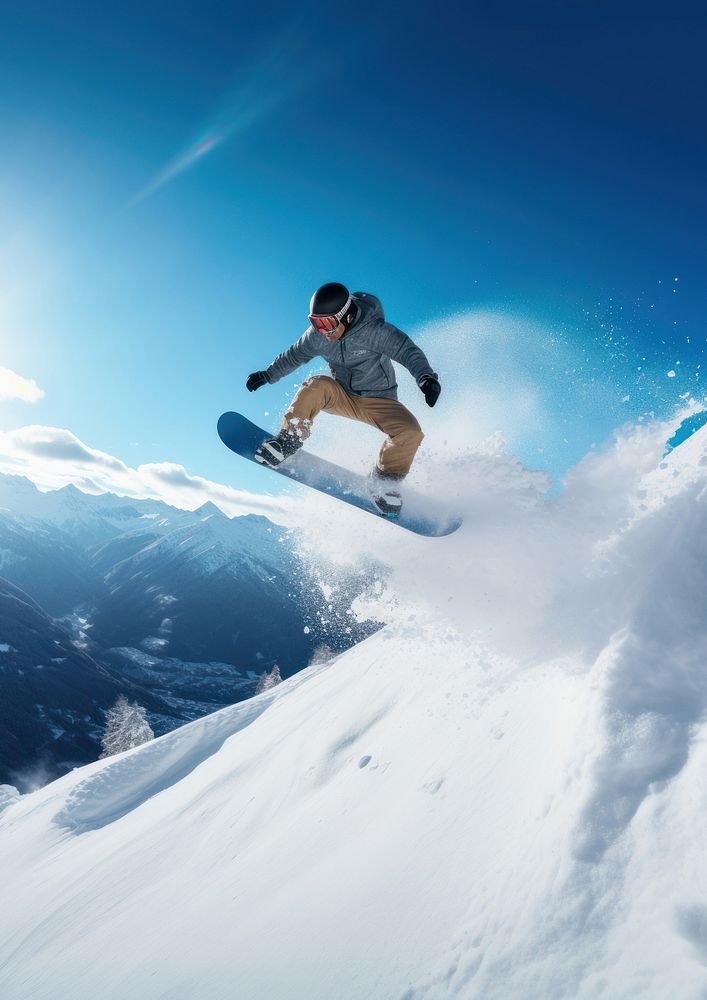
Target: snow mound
[500, 795]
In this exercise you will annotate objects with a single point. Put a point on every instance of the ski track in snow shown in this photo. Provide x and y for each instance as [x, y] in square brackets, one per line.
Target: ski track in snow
[502, 795]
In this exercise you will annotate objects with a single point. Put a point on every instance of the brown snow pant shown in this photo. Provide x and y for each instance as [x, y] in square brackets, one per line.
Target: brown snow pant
[324, 393]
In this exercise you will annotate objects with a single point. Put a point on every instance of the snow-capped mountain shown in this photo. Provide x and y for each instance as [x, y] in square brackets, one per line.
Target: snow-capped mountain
[89, 519]
[192, 584]
[227, 586]
[47, 539]
[500, 795]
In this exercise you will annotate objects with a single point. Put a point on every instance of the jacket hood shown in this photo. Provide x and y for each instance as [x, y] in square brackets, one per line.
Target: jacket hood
[369, 308]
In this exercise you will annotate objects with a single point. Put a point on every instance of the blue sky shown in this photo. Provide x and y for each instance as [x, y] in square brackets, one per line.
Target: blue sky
[175, 179]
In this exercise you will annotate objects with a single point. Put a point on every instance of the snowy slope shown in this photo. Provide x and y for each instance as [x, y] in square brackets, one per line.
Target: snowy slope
[500, 795]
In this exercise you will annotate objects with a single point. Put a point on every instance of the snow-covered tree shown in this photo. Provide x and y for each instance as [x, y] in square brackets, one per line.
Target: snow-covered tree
[268, 680]
[126, 727]
[8, 795]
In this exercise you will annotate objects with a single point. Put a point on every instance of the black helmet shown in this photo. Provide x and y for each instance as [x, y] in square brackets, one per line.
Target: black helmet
[330, 305]
[329, 299]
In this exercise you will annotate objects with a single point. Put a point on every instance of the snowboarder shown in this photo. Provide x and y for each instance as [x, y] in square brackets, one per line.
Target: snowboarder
[351, 333]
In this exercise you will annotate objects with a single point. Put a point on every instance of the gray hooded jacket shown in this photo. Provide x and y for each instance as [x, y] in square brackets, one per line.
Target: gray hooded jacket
[360, 360]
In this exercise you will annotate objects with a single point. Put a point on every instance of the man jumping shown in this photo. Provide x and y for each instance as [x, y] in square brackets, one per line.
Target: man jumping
[350, 332]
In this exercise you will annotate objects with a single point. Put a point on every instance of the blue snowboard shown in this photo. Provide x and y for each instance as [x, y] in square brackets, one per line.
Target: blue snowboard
[687, 428]
[418, 514]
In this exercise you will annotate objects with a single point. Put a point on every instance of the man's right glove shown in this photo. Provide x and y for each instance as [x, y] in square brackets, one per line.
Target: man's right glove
[255, 380]
[431, 388]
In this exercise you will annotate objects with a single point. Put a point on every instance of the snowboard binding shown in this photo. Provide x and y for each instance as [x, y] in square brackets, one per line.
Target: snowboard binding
[385, 493]
[273, 451]
[389, 504]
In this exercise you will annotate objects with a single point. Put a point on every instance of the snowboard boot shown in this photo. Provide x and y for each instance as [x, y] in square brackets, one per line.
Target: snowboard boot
[273, 451]
[385, 492]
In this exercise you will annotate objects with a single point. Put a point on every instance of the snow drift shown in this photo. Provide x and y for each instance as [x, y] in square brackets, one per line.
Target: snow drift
[499, 795]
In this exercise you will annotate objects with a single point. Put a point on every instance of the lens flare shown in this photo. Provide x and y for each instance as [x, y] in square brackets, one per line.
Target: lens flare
[276, 78]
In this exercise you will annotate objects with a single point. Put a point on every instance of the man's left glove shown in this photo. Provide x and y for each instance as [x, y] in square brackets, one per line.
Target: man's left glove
[431, 388]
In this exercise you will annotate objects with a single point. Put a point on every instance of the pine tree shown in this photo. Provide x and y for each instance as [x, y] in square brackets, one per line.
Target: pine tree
[126, 727]
[268, 680]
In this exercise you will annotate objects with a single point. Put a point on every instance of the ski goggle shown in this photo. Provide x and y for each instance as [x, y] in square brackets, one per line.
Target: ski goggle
[329, 322]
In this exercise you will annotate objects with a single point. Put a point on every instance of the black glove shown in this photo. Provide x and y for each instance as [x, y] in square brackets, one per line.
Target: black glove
[255, 380]
[431, 388]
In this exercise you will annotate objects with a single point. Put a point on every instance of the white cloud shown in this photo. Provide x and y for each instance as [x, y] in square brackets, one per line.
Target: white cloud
[14, 386]
[58, 445]
[173, 483]
[52, 457]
